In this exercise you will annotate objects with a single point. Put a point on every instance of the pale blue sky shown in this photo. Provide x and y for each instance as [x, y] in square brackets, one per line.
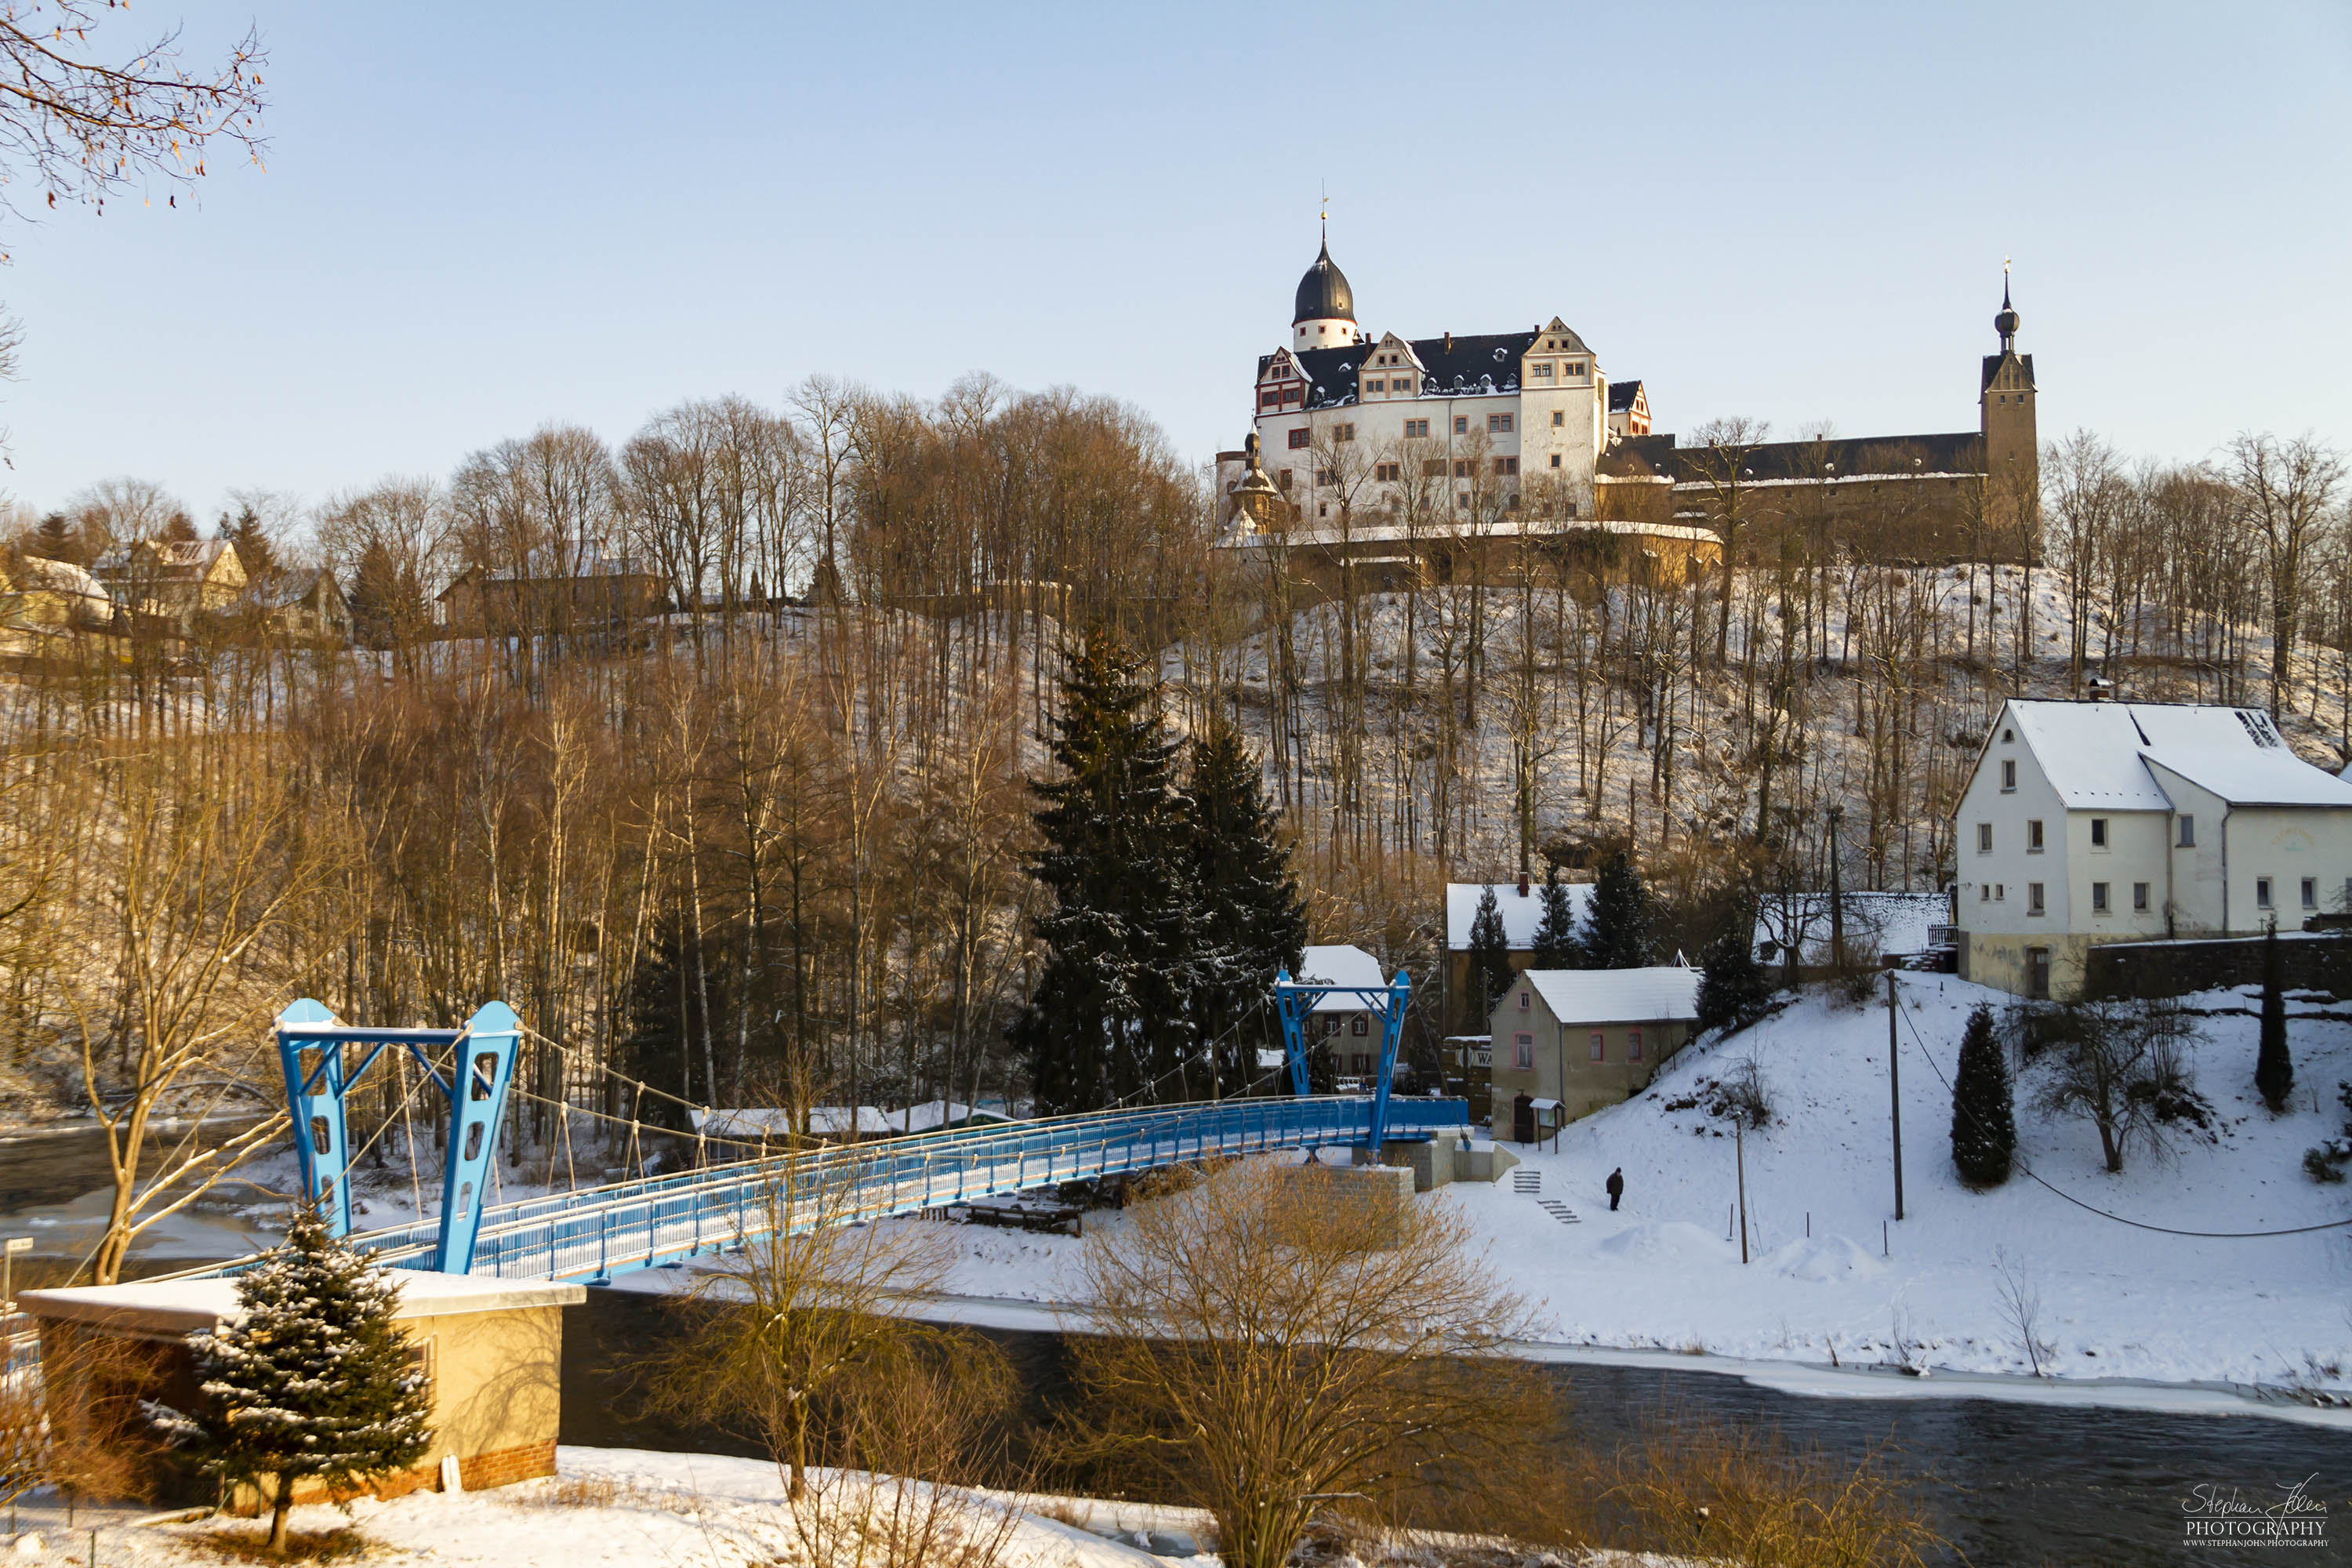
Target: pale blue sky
[477, 219]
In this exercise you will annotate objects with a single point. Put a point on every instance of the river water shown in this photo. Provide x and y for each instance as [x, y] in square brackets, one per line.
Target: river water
[2009, 1483]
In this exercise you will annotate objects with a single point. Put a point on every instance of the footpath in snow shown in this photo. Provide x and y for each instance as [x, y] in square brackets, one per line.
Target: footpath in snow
[1664, 1274]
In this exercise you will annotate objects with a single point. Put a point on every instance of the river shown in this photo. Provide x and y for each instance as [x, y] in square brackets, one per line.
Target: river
[2008, 1483]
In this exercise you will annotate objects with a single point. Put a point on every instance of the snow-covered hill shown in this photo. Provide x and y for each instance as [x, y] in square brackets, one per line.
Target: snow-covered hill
[2117, 1302]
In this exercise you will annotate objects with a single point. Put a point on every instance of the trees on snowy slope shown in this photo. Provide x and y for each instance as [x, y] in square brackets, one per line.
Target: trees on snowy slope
[2119, 1066]
[1984, 1124]
[2273, 1069]
[1617, 932]
[313, 1380]
[1172, 908]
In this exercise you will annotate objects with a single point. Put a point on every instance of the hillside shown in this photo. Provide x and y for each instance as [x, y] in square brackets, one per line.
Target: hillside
[2117, 1302]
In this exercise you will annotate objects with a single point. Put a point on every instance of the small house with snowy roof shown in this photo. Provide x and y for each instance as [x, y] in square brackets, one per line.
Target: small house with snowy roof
[2100, 822]
[1520, 905]
[1567, 1042]
[1341, 1022]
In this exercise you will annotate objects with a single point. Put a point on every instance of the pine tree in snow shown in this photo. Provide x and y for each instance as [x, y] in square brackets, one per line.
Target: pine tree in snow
[314, 1377]
[1249, 914]
[1490, 956]
[1110, 1017]
[1617, 924]
[1984, 1124]
[1556, 945]
[1732, 987]
[2273, 1069]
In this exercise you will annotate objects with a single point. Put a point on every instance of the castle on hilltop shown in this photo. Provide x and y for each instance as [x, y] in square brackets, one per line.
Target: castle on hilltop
[1372, 456]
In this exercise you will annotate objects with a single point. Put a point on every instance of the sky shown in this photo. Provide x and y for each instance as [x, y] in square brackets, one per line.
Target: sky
[477, 220]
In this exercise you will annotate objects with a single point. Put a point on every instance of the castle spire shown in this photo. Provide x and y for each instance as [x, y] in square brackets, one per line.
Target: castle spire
[2006, 322]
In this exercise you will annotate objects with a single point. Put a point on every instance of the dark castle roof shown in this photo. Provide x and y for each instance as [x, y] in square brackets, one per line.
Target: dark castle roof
[1622, 395]
[1957, 452]
[1486, 362]
[1323, 293]
[1992, 363]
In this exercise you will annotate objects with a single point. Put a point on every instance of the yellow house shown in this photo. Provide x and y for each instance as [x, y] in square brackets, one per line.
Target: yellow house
[492, 1348]
[1567, 1042]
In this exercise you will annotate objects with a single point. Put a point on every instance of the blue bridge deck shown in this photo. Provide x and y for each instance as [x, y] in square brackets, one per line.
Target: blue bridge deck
[595, 1233]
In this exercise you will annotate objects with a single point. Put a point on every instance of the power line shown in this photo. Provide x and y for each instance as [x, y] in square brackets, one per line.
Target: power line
[2103, 1214]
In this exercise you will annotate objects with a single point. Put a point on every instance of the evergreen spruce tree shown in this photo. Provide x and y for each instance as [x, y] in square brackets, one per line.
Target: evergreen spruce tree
[1617, 924]
[1732, 988]
[314, 1378]
[1111, 1017]
[54, 541]
[1984, 1124]
[1490, 957]
[1556, 945]
[2273, 1069]
[254, 551]
[1251, 918]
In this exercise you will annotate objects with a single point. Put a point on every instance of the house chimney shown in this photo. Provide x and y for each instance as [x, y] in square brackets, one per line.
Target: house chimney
[1523, 884]
[2101, 689]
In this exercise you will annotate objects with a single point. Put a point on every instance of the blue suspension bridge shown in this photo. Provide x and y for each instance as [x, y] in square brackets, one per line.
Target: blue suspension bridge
[591, 1234]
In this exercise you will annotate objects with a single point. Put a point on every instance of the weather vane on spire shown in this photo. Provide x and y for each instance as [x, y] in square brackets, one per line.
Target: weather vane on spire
[1327, 209]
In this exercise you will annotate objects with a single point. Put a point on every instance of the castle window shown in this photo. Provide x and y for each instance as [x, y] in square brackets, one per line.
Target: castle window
[1293, 393]
[1433, 469]
[1576, 367]
[1269, 398]
[1388, 473]
[1460, 468]
[1555, 459]
[1499, 424]
[1540, 370]
[1376, 384]
[1462, 502]
[1298, 440]
[1559, 417]
[1327, 477]
[1416, 429]
[1347, 432]
[1506, 466]
[1461, 425]
[1283, 478]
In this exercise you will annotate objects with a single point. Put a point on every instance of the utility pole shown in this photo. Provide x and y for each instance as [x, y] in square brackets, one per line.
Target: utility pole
[1837, 894]
[1894, 1093]
[1739, 1153]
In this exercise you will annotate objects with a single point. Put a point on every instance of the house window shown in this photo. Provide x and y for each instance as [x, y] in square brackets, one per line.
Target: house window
[2034, 835]
[1984, 837]
[1460, 468]
[1555, 459]
[1499, 424]
[1346, 433]
[1506, 467]
[2311, 892]
[1462, 502]
[2099, 833]
[2034, 898]
[2099, 898]
[1599, 1048]
[1432, 467]
[2008, 771]
[2188, 833]
[1362, 1062]
[2261, 892]
[2139, 897]
[1559, 417]
[1461, 425]
[1298, 439]
[1388, 473]
[1632, 1045]
[1523, 1001]
[2001, 892]
[1360, 1025]
[1416, 429]
[1523, 1051]
[1984, 892]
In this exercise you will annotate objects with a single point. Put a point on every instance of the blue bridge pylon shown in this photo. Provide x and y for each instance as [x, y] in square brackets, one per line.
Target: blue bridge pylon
[1296, 1000]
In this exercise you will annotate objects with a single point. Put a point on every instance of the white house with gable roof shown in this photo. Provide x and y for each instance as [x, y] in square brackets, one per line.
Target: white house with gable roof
[2097, 822]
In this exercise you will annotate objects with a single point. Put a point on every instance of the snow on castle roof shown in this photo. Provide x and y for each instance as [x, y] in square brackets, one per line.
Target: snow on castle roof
[1664, 992]
[2099, 754]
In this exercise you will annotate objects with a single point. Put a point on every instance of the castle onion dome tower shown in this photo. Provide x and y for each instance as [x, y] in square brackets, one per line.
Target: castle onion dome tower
[1326, 313]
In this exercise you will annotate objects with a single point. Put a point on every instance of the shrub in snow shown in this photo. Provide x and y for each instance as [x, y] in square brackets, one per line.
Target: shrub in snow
[1984, 1124]
[2325, 1162]
[314, 1378]
[2273, 1069]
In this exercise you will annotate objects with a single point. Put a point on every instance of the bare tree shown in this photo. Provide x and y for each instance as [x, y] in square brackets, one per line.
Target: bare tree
[1718, 454]
[2286, 489]
[2118, 1064]
[1283, 1343]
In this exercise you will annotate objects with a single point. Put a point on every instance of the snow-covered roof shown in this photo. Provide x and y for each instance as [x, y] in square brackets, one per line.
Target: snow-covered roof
[1618, 995]
[1520, 915]
[2097, 754]
[1890, 923]
[1341, 964]
[185, 1305]
[39, 574]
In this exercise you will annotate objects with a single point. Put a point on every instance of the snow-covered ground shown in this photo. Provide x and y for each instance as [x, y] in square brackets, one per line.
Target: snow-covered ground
[1665, 1274]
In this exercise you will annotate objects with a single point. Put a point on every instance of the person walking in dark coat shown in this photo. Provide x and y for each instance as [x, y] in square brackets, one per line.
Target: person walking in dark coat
[1616, 1187]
